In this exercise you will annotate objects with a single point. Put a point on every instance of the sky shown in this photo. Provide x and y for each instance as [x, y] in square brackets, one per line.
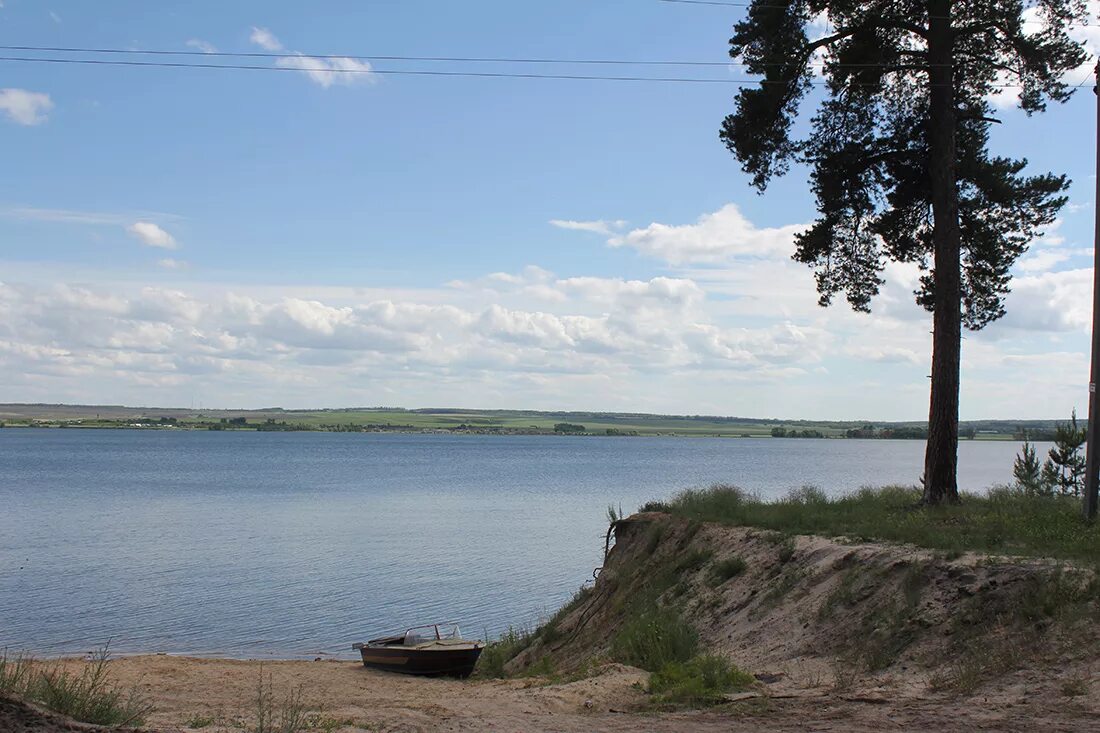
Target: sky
[313, 238]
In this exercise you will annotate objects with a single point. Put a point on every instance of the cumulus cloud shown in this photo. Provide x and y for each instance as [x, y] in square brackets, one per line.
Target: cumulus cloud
[714, 237]
[1042, 260]
[600, 226]
[630, 328]
[152, 235]
[172, 264]
[25, 108]
[1050, 302]
[201, 45]
[883, 353]
[328, 72]
[265, 39]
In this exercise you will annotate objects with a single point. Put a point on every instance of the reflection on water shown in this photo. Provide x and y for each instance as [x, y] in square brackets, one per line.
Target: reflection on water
[294, 544]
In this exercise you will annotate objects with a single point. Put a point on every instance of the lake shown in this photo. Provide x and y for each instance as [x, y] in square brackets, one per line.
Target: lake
[286, 545]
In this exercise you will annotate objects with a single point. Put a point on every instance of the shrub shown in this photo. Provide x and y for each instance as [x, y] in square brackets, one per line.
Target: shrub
[786, 550]
[498, 653]
[723, 570]
[653, 639]
[700, 681]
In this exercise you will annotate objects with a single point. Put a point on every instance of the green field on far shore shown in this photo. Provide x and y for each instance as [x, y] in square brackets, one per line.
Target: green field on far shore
[388, 419]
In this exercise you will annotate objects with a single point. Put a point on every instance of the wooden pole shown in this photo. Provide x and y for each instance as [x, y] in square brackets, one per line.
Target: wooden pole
[1092, 453]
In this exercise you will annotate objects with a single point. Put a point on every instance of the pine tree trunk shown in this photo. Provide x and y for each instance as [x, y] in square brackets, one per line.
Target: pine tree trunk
[941, 452]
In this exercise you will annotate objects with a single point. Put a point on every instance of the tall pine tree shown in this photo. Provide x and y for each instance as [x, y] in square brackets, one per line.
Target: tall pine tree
[899, 158]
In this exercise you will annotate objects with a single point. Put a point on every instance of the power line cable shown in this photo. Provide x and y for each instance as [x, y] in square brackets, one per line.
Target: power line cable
[447, 59]
[363, 57]
[414, 72]
[404, 72]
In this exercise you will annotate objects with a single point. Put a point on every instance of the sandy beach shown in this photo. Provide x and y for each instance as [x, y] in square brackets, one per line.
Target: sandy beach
[219, 696]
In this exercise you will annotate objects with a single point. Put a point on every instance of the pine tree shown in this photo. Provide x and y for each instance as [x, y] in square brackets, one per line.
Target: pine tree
[1064, 468]
[899, 158]
[1028, 471]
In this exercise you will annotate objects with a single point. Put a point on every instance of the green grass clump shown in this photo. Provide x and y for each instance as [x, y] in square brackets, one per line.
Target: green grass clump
[498, 653]
[653, 639]
[703, 680]
[15, 672]
[723, 570]
[87, 696]
[1002, 521]
[508, 645]
[198, 721]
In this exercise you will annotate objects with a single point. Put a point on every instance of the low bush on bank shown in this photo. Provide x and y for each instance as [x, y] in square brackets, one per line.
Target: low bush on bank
[659, 641]
[703, 680]
[653, 639]
[723, 570]
[1003, 521]
[88, 696]
[498, 653]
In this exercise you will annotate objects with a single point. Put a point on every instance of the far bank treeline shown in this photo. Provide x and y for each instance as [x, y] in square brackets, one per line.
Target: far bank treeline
[495, 422]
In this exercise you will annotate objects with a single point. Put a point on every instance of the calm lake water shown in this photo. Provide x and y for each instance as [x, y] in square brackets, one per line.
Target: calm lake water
[297, 544]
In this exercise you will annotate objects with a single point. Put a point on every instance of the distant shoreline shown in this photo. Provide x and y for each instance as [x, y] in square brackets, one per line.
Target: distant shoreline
[492, 432]
[495, 422]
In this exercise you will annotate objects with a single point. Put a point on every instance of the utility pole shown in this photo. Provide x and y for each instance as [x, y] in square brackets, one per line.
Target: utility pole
[1092, 451]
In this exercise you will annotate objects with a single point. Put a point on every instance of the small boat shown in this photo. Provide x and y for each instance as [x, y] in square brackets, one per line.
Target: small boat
[433, 650]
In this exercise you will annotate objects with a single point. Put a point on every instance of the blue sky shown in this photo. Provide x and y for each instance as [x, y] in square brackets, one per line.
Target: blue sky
[245, 238]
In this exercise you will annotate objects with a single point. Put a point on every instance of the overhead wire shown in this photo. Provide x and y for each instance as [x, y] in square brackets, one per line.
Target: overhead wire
[411, 72]
[378, 57]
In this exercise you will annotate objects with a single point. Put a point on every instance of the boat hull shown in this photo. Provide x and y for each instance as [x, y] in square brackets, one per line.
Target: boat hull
[424, 662]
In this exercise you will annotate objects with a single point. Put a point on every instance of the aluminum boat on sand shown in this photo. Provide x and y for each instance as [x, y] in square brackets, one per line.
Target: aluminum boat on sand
[433, 650]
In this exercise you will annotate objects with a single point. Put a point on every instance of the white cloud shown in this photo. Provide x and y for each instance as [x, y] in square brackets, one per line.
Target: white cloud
[201, 45]
[636, 330]
[25, 108]
[171, 264]
[747, 339]
[714, 237]
[1042, 261]
[1050, 302]
[1052, 236]
[152, 235]
[329, 72]
[600, 226]
[326, 72]
[884, 353]
[265, 39]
